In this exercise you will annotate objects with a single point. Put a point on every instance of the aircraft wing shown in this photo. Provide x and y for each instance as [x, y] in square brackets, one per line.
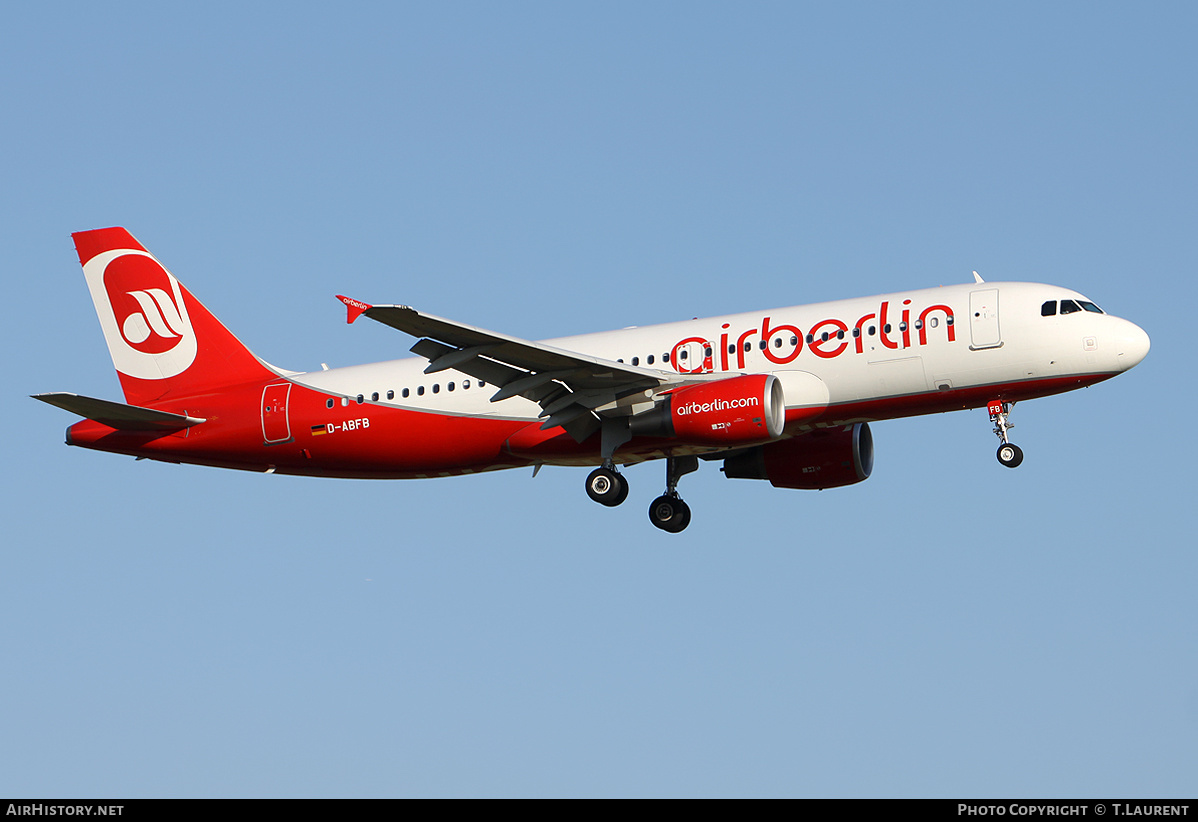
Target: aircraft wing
[574, 390]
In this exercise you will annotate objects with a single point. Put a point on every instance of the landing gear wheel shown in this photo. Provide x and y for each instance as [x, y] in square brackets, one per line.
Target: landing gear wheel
[670, 514]
[1010, 455]
[607, 487]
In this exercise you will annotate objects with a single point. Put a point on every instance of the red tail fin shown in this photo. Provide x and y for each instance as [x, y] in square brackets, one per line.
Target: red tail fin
[164, 343]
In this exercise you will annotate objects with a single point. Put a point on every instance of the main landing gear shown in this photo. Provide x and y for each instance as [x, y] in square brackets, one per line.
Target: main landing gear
[668, 512]
[607, 486]
[1009, 454]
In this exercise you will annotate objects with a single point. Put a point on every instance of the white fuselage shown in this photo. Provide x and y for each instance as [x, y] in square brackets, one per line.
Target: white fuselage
[835, 354]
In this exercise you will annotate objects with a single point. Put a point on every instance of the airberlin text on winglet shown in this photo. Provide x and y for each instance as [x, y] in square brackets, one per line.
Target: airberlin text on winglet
[827, 338]
[354, 308]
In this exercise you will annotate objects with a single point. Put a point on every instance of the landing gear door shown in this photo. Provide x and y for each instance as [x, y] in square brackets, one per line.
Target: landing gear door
[983, 319]
[276, 426]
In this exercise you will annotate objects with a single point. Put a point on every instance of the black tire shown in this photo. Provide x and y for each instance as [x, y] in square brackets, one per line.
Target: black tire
[670, 514]
[623, 495]
[1010, 455]
[607, 487]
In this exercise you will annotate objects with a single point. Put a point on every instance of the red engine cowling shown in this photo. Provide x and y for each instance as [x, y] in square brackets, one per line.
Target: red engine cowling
[736, 411]
[826, 458]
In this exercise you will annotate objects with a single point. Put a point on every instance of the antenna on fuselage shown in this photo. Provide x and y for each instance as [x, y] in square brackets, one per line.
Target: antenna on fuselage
[977, 278]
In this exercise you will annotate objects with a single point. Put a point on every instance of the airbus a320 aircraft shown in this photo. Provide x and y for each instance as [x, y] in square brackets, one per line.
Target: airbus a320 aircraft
[784, 395]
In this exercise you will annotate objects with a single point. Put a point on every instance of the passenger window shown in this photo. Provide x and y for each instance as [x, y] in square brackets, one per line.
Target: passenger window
[649, 360]
[873, 330]
[391, 394]
[436, 388]
[450, 386]
[748, 347]
[1049, 309]
[934, 322]
[1069, 307]
[481, 383]
[374, 397]
[840, 335]
[810, 339]
[344, 401]
[636, 360]
[761, 345]
[665, 357]
[777, 342]
[328, 403]
[420, 391]
[465, 384]
[707, 351]
[682, 354]
[857, 332]
[406, 393]
[361, 399]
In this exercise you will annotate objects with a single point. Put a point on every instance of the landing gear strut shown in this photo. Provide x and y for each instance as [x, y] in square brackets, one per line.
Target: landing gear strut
[606, 485]
[668, 512]
[1009, 454]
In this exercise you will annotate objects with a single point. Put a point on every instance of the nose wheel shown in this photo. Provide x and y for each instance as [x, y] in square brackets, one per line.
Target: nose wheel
[1009, 454]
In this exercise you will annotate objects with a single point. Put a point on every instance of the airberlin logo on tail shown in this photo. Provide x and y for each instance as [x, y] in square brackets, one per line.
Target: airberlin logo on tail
[142, 312]
[157, 325]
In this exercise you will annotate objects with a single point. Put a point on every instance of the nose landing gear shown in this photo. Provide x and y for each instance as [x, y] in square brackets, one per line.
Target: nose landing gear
[1009, 454]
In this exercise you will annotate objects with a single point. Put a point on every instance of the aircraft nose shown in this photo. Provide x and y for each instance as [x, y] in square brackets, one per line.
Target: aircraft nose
[1133, 346]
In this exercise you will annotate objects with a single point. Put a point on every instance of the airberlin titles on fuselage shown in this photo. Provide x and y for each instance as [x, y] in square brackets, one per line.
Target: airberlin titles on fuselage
[826, 339]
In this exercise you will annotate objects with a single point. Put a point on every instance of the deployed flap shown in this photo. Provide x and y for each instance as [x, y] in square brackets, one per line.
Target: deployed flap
[118, 415]
[569, 386]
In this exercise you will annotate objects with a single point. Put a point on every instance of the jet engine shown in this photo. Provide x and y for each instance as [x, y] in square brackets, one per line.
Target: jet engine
[737, 411]
[826, 458]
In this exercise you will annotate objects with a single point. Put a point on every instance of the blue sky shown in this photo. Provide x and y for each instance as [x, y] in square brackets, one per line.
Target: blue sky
[947, 628]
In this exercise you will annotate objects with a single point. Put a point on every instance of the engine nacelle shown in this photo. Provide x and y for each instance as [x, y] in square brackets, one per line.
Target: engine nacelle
[736, 411]
[827, 458]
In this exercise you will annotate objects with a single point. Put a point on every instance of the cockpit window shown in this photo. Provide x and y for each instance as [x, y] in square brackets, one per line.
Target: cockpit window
[1049, 309]
[1093, 309]
[1069, 307]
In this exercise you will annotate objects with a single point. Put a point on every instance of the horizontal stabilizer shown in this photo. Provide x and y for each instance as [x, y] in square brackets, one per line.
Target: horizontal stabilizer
[118, 415]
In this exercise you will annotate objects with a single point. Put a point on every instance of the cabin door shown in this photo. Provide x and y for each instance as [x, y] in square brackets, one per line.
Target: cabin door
[276, 427]
[983, 319]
